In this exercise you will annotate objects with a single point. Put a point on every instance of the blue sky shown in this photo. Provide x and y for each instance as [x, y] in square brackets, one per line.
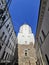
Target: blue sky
[24, 12]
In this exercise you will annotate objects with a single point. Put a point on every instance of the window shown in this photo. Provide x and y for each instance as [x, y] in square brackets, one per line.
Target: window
[43, 7]
[7, 42]
[1, 12]
[2, 35]
[10, 34]
[9, 30]
[43, 34]
[6, 56]
[10, 46]
[25, 41]
[48, 9]
[13, 49]
[3, 18]
[47, 58]
[2, 1]
[5, 38]
[22, 35]
[3, 55]
[0, 47]
[7, 26]
[25, 52]
[42, 12]
[44, 2]
[12, 30]
[41, 40]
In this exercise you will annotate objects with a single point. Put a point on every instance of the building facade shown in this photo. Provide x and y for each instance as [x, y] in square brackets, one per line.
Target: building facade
[42, 35]
[7, 34]
[26, 54]
[26, 50]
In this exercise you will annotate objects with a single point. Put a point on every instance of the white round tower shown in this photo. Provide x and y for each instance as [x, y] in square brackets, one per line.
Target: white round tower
[25, 35]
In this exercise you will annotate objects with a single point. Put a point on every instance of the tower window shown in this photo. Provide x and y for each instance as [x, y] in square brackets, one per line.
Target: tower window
[25, 52]
[25, 41]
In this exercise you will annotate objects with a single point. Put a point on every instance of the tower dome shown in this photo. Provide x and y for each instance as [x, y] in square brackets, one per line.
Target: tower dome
[25, 29]
[25, 35]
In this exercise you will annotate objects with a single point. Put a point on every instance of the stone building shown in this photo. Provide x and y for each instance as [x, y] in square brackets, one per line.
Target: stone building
[26, 50]
[7, 34]
[42, 34]
[26, 54]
